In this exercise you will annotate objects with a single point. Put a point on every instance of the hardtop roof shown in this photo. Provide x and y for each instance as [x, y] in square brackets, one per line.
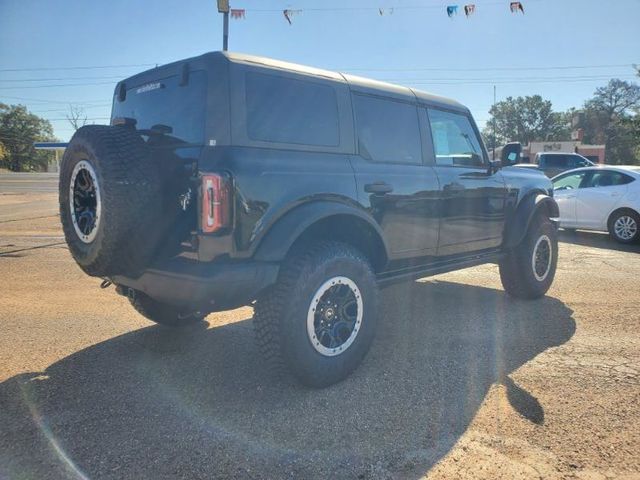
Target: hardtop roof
[356, 83]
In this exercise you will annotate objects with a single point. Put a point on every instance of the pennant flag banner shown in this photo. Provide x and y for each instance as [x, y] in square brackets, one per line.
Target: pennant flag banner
[516, 7]
[452, 10]
[289, 14]
[237, 13]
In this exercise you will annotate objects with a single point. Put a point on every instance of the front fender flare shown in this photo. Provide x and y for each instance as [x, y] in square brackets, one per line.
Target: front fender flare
[529, 207]
[286, 230]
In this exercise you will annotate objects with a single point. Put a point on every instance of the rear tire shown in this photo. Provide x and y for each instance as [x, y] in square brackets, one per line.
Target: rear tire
[162, 313]
[527, 271]
[318, 321]
[624, 226]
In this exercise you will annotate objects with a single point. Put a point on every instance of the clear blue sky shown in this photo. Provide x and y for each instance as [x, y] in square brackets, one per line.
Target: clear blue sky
[417, 45]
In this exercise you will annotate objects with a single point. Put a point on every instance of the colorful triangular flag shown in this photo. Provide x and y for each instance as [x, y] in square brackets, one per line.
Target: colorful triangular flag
[237, 13]
[516, 7]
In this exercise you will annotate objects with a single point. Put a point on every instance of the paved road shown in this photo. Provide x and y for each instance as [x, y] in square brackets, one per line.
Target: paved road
[28, 182]
[462, 381]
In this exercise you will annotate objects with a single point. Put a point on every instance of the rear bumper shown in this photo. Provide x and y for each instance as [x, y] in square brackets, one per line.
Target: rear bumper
[203, 286]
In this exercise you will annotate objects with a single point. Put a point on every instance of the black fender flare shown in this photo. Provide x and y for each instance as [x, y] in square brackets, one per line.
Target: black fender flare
[276, 243]
[527, 209]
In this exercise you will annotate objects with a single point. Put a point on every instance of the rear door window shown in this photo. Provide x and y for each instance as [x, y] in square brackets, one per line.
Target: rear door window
[287, 110]
[607, 178]
[388, 131]
[455, 140]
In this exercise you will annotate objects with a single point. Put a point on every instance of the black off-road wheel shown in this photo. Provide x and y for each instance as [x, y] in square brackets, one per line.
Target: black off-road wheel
[319, 320]
[110, 197]
[162, 313]
[527, 271]
[624, 226]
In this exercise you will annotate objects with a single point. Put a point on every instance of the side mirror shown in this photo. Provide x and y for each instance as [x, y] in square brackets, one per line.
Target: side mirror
[511, 153]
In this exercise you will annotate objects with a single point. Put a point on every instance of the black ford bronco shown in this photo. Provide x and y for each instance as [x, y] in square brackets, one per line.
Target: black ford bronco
[227, 180]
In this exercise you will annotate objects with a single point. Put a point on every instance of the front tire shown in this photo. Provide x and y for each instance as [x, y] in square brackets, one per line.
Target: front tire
[527, 271]
[624, 226]
[319, 320]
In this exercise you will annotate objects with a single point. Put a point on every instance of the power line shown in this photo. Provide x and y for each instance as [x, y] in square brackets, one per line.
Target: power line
[89, 119]
[39, 100]
[420, 69]
[62, 110]
[59, 79]
[507, 79]
[43, 69]
[483, 69]
[435, 80]
[59, 85]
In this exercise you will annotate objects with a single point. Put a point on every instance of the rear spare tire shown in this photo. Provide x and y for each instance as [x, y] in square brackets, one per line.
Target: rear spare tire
[109, 196]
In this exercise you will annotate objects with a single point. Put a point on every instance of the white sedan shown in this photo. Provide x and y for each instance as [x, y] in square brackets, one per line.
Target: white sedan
[605, 198]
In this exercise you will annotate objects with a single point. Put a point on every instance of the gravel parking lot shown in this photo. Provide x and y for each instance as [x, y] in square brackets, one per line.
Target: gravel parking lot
[462, 381]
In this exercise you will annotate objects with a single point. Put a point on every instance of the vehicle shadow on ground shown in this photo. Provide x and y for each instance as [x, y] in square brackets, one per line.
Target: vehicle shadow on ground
[199, 403]
[596, 240]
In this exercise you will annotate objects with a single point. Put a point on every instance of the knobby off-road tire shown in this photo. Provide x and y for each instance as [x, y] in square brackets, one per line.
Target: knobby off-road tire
[624, 226]
[528, 270]
[319, 320]
[161, 313]
[108, 181]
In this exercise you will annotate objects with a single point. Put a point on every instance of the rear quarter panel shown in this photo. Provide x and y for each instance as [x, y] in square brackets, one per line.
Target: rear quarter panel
[269, 183]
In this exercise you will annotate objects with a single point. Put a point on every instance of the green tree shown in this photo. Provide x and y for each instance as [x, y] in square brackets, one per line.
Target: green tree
[3, 153]
[19, 129]
[525, 119]
[610, 118]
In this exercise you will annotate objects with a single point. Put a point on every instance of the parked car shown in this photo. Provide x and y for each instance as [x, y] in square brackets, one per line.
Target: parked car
[554, 163]
[228, 180]
[600, 198]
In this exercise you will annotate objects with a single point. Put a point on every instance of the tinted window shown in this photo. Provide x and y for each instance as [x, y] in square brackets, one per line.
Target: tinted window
[607, 178]
[285, 110]
[164, 102]
[388, 131]
[455, 140]
[569, 182]
[578, 162]
[555, 161]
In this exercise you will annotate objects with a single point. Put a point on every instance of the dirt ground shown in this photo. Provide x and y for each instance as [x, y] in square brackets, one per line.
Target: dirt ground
[462, 381]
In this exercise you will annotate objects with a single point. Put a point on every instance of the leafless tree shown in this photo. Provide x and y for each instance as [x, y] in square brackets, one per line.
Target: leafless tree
[76, 116]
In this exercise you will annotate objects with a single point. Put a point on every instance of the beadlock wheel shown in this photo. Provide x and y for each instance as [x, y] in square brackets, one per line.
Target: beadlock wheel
[334, 316]
[541, 258]
[85, 204]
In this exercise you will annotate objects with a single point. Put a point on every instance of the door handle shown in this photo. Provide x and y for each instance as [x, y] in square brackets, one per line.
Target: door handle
[378, 187]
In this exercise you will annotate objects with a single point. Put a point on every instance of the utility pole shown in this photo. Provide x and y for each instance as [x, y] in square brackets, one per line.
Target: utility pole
[494, 124]
[223, 7]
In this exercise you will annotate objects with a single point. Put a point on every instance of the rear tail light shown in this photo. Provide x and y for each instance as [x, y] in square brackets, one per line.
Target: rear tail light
[216, 203]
